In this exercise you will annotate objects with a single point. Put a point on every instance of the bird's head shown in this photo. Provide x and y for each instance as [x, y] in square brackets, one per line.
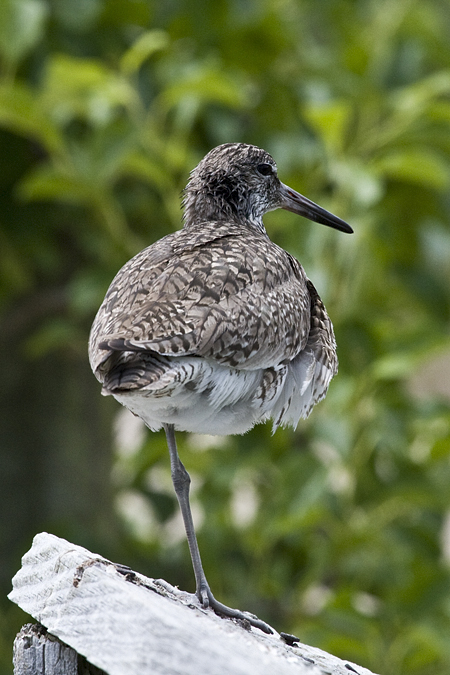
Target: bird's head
[239, 182]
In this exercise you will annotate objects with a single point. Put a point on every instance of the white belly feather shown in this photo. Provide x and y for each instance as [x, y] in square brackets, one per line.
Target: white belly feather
[201, 396]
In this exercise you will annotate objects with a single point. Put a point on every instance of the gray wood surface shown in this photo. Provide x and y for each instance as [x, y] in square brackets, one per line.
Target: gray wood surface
[37, 652]
[128, 624]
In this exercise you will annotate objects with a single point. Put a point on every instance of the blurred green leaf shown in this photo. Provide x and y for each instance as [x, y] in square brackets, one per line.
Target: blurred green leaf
[331, 122]
[21, 27]
[145, 46]
[411, 100]
[84, 88]
[417, 166]
[396, 366]
[22, 112]
[142, 166]
[358, 180]
[46, 182]
[206, 84]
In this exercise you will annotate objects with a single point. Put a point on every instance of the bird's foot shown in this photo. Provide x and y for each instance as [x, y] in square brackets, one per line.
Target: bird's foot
[208, 600]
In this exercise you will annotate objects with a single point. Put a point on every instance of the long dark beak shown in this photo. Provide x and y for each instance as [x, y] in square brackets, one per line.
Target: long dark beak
[297, 203]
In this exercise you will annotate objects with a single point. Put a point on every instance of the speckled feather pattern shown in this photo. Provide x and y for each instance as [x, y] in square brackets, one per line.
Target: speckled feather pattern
[215, 328]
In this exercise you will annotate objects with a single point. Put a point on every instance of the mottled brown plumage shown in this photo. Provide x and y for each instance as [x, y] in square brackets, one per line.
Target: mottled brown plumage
[215, 328]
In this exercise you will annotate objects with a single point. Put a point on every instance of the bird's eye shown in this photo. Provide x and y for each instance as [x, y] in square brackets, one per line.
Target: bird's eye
[265, 169]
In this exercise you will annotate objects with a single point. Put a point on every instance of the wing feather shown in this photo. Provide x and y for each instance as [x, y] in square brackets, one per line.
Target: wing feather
[207, 296]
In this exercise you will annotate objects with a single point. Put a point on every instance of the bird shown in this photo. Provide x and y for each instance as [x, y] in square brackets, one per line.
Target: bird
[214, 328]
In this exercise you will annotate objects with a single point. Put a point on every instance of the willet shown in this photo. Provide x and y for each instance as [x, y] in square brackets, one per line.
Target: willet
[214, 328]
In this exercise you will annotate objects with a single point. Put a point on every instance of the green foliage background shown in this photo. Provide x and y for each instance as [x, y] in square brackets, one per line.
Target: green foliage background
[105, 106]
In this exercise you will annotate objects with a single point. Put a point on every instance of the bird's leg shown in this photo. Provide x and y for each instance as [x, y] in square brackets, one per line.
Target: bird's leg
[181, 482]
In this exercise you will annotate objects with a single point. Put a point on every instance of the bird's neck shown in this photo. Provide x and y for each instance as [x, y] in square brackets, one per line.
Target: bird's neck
[200, 208]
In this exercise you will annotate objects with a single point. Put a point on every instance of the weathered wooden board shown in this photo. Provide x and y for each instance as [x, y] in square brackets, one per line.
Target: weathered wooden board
[37, 652]
[128, 624]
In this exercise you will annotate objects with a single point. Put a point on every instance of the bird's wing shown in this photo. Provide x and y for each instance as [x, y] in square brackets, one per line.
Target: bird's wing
[318, 360]
[311, 371]
[321, 338]
[240, 301]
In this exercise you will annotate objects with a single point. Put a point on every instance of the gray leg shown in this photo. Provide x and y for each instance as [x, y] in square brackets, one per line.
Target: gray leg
[181, 482]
